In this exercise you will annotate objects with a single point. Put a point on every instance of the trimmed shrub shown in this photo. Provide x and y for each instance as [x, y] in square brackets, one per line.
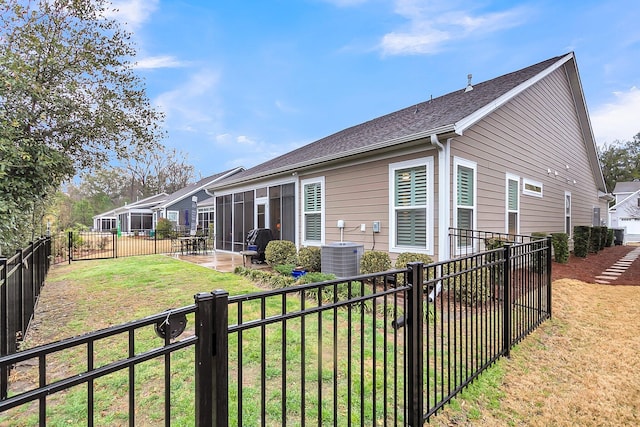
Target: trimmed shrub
[581, 236]
[309, 258]
[560, 243]
[407, 257]
[594, 239]
[164, 228]
[604, 231]
[280, 252]
[374, 262]
[610, 237]
[495, 243]
[472, 285]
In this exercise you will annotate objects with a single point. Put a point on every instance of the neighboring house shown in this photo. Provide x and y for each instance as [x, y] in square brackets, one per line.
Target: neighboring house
[625, 213]
[178, 207]
[130, 218]
[512, 154]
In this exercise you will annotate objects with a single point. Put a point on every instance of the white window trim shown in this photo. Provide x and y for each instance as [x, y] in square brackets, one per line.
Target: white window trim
[511, 177]
[527, 181]
[564, 215]
[424, 161]
[171, 214]
[458, 161]
[304, 182]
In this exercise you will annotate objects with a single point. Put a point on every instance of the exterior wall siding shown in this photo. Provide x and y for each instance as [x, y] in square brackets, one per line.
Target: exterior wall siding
[185, 203]
[533, 133]
[359, 194]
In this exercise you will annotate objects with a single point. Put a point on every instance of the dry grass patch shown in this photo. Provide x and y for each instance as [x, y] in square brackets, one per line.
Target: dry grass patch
[580, 368]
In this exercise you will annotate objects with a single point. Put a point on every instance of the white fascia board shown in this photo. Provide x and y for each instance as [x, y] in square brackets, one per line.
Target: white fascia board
[465, 123]
[625, 200]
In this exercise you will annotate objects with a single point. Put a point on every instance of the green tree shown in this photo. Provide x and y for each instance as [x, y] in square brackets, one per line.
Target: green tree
[620, 161]
[69, 101]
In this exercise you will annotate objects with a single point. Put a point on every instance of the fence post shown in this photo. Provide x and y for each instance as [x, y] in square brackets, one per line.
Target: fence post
[20, 294]
[70, 246]
[33, 266]
[549, 270]
[4, 370]
[506, 302]
[415, 365]
[211, 363]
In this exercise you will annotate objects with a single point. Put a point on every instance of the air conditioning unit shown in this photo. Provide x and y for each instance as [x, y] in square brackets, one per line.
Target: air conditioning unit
[342, 258]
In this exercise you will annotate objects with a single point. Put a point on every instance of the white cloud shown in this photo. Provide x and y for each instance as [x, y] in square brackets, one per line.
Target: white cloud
[133, 12]
[617, 120]
[163, 61]
[223, 138]
[245, 140]
[432, 24]
[193, 101]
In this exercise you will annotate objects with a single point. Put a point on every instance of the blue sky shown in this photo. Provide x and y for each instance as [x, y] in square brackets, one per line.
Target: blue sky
[243, 81]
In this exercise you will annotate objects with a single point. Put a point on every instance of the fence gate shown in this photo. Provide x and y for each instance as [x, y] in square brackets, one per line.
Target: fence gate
[83, 245]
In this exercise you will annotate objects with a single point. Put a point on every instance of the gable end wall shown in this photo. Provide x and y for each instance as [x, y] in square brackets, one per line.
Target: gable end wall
[536, 131]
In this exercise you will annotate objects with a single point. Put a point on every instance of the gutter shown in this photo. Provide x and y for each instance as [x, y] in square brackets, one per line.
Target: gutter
[444, 201]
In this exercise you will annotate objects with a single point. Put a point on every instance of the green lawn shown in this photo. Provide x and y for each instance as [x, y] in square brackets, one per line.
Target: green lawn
[90, 295]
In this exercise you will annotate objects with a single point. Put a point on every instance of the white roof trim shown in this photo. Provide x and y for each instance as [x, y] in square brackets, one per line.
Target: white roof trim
[196, 189]
[624, 200]
[476, 116]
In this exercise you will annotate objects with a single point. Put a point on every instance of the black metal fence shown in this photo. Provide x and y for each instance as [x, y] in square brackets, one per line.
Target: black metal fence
[464, 242]
[21, 278]
[84, 245]
[363, 351]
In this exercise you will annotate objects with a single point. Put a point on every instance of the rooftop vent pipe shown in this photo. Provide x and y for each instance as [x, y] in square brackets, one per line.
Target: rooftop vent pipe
[469, 88]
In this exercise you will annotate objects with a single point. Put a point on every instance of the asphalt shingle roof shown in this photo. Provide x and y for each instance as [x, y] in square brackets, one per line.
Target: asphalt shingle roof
[191, 188]
[432, 114]
[626, 187]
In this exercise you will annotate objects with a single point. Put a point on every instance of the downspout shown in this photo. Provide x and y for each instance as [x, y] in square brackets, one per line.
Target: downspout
[444, 199]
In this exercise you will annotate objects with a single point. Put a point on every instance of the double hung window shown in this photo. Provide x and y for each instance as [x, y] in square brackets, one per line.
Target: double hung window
[465, 199]
[513, 204]
[313, 210]
[411, 185]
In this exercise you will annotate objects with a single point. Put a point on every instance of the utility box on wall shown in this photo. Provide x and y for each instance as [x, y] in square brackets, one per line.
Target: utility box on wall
[341, 258]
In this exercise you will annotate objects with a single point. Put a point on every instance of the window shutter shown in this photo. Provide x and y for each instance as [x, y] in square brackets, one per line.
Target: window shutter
[465, 186]
[465, 219]
[411, 225]
[313, 226]
[313, 211]
[513, 195]
[312, 197]
[411, 186]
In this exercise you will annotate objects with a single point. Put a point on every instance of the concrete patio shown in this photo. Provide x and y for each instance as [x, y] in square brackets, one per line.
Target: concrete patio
[224, 262]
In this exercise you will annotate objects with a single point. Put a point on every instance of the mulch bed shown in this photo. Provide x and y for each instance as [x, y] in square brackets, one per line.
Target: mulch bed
[586, 269]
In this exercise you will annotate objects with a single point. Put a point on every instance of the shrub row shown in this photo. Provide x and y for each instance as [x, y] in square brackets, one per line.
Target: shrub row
[590, 239]
[283, 252]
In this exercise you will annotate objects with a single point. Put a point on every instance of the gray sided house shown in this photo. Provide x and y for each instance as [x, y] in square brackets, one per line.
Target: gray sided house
[142, 216]
[190, 206]
[130, 218]
[625, 213]
[512, 154]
